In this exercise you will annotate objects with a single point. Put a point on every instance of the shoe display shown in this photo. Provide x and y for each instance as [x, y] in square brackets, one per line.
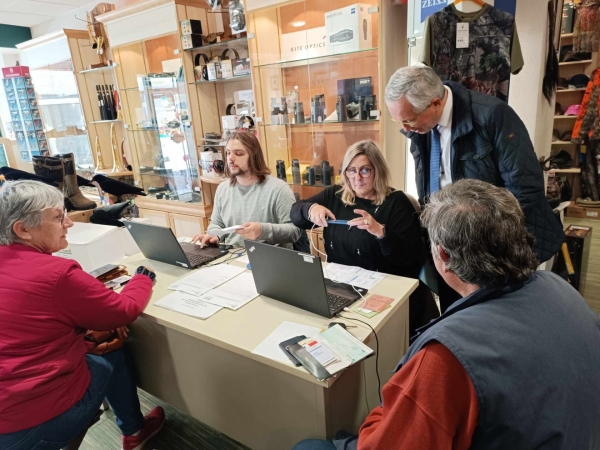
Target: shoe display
[153, 423]
[73, 195]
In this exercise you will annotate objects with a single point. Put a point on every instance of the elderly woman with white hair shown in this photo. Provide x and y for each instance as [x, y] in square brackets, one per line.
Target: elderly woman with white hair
[383, 232]
[50, 388]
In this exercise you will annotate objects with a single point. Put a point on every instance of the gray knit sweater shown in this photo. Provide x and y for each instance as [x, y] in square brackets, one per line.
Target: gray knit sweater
[268, 203]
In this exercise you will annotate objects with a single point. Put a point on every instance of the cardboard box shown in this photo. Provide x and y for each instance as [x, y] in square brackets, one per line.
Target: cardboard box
[579, 240]
[16, 71]
[304, 44]
[93, 246]
[349, 29]
[581, 212]
[241, 66]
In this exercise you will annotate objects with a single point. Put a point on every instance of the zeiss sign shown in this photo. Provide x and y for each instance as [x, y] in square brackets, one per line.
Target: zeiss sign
[429, 7]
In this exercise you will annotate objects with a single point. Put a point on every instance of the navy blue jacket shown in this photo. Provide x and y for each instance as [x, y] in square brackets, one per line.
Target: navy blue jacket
[490, 143]
[532, 352]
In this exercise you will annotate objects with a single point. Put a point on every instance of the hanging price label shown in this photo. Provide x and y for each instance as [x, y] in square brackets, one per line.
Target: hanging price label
[462, 35]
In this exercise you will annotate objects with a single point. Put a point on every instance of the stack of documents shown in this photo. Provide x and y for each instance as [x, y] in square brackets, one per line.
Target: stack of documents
[352, 275]
[207, 291]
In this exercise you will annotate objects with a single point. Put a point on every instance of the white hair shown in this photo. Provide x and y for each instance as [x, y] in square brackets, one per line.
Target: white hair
[420, 84]
[25, 201]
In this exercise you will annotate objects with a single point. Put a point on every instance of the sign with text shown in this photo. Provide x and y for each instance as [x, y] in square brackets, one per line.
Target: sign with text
[304, 44]
[429, 7]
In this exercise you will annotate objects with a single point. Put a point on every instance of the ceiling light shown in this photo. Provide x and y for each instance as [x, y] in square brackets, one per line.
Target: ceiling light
[298, 24]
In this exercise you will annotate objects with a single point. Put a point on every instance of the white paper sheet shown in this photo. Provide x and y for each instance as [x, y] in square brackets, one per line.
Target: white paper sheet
[223, 231]
[352, 275]
[233, 294]
[206, 279]
[188, 304]
[286, 330]
[243, 259]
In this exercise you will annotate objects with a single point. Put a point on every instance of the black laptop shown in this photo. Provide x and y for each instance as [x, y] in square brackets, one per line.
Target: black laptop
[160, 244]
[297, 279]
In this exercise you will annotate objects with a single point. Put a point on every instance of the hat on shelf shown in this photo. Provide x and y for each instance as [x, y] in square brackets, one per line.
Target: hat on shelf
[573, 110]
[555, 135]
[566, 136]
[558, 111]
[561, 160]
[580, 80]
[563, 83]
[567, 54]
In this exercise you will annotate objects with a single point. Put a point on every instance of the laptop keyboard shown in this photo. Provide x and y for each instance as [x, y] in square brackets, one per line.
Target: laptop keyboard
[337, 303]
[197, 260]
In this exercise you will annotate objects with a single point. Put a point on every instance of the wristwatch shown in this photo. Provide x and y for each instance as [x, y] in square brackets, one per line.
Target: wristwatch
[143, 271]
[384, 232]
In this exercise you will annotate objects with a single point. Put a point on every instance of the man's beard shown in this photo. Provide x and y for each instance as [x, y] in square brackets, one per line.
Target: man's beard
[238, 173]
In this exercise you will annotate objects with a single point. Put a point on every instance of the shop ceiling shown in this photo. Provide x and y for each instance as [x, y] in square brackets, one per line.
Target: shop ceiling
[27, 13]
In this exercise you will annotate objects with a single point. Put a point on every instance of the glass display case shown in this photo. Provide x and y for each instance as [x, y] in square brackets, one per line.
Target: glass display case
[156, 114]
[318, 68]
[62, 114]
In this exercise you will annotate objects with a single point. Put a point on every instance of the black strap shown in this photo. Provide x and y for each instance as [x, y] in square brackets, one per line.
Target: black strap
[228, 111]
[197, 59]
[227, 50]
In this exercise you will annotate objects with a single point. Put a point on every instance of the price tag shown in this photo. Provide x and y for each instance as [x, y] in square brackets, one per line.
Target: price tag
[462, 35]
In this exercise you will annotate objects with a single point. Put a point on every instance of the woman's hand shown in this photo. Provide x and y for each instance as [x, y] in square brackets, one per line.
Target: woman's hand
[366, 222]
[319, 215]
[249, 230]
[205, 239]
[123, 332]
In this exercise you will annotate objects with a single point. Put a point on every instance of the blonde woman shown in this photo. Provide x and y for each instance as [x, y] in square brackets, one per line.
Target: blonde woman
[383, 231]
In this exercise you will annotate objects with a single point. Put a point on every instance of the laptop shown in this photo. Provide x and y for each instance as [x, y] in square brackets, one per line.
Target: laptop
[160, 244]
[297, 279]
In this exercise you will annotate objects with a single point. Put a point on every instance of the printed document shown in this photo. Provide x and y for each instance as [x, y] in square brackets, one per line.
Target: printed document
[233, 294]
[269, 348]
[206, 279]
[188, 304]
[352, 275]
[224, 231]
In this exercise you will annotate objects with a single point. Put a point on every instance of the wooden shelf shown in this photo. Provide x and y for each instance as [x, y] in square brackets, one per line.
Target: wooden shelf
[564, 117]
[562, 91]
[98, 69]
[332, 127]
[225, 80]
[571, 63]
[106, 121]
[213, 180]
[319, 59]
[566, 35]
[563, 143]
[109, 173]
[239, 43]
[572, 170]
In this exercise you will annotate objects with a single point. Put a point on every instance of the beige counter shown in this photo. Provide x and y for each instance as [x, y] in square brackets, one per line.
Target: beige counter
[206, 368]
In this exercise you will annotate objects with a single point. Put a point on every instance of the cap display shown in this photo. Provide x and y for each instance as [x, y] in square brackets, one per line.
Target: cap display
[578, 81]
[567, 54]
[573, 110]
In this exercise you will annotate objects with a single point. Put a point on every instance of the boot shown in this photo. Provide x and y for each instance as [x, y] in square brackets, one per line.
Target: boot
[50, 168]
[73, 195]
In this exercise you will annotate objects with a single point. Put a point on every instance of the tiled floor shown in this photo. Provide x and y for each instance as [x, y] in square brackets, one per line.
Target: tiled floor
[180, 432]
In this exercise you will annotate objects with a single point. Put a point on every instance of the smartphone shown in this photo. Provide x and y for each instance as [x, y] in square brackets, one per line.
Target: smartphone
[102, 270]
[338, 222]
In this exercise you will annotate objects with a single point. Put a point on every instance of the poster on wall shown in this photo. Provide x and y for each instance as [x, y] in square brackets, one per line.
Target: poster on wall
[419, 10]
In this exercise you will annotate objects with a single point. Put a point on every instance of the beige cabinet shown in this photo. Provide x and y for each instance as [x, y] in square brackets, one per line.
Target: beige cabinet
[159, 218]
[181, 224]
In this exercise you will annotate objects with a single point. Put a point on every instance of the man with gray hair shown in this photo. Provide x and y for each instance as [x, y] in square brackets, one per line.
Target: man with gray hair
[457, 133]
[513, 364]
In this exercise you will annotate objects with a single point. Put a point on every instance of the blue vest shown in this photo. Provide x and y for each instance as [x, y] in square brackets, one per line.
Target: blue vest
[532, 352]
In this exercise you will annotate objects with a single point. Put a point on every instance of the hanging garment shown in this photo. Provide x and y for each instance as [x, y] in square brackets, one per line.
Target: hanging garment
[493, 51]
[587, 124]
[586, 33]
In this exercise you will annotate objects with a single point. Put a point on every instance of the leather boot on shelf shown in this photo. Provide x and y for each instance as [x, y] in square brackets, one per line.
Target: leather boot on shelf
[49, 167]
[73, 195]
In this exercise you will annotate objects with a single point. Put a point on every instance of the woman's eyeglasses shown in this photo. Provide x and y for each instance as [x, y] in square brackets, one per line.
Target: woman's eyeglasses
[365, 172]
[61, 218]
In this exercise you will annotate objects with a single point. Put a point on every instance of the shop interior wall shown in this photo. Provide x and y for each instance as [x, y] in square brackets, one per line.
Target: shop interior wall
[525, 95]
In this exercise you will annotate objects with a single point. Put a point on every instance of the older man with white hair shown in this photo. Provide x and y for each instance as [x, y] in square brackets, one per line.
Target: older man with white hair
[513, 364]
[458, 133]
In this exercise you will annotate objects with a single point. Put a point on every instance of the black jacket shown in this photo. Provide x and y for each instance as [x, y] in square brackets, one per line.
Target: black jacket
[400, 252]
[490, 143]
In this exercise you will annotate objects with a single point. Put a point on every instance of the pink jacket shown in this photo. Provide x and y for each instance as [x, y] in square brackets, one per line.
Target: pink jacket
[46, 305]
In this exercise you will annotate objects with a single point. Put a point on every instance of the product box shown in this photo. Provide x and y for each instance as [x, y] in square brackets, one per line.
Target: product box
[349, 29]
[191, 26]
[243, 96]
[567, 18]
[16, 71]
[241, 66]
[304, 44]
[191, 41]
[226, 68]
[579, 240]
[93, 246]
[354, 88]
[581, 212]
[230, 122]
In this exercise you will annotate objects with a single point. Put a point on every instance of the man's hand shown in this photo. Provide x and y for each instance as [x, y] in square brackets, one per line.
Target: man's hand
[205, 239]
[319, 215]
[250, 230]
[123, 332]
[366, 222]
